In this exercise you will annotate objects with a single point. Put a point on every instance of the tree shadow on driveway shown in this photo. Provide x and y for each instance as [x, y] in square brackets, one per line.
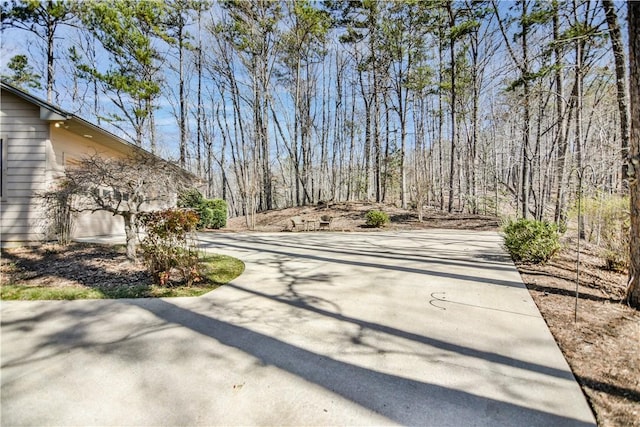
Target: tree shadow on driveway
[243, 245]
[402, 400]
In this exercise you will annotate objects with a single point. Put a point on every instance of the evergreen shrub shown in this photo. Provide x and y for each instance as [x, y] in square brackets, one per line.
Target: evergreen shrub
[376, 218]
[213, 212]
[531, 241]
[219, 213]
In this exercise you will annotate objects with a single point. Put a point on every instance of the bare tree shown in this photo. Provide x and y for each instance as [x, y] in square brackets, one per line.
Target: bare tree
[621, 75]
[253, 31]
[302, 49]
[299, 101]
[562, 120]
[123, 187]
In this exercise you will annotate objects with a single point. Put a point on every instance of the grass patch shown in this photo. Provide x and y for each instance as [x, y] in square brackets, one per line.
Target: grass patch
[34, 293]
[218, 270]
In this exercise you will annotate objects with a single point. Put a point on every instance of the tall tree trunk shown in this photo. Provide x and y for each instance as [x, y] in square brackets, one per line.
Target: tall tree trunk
[621, 79]
[337, 153]
[183, 100]
[633, 293]
[523, 65]
[352, 144]
[152, 128]
[377, 149]
[440, 122]
[474, 123]
[223, 169]
[324, 192]
[561, 124]
[452, 162]
[296, 135]
[526, 159]
[200, 108]
[367, 136]
[578, 103]
[579, 100]
[50, 58]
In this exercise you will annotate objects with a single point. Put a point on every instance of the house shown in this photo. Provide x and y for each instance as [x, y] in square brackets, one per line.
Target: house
[38, 141]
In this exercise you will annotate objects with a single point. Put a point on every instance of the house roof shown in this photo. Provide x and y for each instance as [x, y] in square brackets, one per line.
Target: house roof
[82, 127]
[74, 123]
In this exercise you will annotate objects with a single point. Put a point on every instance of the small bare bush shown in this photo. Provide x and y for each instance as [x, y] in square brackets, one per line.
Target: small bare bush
[166, 247]
[615, 227]
[607, 224]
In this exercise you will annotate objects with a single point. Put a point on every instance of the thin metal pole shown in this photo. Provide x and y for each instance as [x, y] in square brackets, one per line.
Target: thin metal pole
[575, 317]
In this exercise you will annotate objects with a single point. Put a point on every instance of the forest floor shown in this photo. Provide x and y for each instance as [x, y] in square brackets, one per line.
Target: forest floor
[602, 346]
[350, 216]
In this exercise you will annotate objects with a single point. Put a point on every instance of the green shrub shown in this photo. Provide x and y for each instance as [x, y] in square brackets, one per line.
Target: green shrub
[206, 217]
[166, 247]
[213, 212]
[219, 218]
[531, 241]
[190, 199]
[376, 218]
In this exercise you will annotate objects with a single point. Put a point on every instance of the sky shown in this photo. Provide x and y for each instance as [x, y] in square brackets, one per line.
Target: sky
[16, 41]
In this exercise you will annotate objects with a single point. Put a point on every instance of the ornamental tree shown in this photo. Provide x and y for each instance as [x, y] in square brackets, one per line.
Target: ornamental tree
[123, 187]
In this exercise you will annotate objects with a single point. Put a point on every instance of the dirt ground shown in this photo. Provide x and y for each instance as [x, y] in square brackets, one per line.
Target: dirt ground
[102, 266]
[602, 346]
[351, 217]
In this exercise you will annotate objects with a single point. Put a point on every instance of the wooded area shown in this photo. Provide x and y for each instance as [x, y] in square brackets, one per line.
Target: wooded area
[464, 105]
[511, 108]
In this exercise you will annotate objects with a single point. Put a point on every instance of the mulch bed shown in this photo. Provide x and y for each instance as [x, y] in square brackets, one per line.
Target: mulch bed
[603, 345]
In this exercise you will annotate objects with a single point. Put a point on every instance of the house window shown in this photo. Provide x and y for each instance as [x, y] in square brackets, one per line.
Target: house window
[69, 161]
[3, 164]
[112, 195]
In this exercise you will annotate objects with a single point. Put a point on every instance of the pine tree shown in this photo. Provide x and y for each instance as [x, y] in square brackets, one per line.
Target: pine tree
[126, 29]
[23, 75]
[41, 18]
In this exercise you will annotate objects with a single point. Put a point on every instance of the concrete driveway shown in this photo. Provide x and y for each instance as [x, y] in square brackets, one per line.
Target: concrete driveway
[429, 328]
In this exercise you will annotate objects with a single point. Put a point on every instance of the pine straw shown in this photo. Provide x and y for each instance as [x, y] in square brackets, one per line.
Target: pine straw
[603, 346]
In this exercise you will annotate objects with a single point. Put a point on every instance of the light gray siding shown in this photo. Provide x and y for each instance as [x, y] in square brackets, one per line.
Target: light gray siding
[34, 155]
[26, 138]
[38, 142]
